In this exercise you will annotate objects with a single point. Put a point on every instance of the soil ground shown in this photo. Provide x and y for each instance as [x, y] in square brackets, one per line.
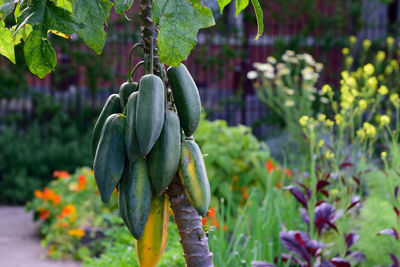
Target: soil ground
[20, 243]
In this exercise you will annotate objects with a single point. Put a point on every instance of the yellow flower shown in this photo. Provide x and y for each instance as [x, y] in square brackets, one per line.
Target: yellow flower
[381, 77]
[345, 51]
[348, 61]
[352, 39]
[394, 64]
[321, 117]
[366, 44]
[361, 133]
[369, 129]
[384, 120]
[351, 82]
[383, 155]
[388, 70]
[369, 69]
[289, 103]
[77, 232]
[329, 123]
[390, 41]
[303, 120]
[383, 90]
[328, 155]
[345, 74]
[338, 118]
[362, 104]
[394, 98]
[321, 143]
[380, 56]
[372, 82]
[326, 88]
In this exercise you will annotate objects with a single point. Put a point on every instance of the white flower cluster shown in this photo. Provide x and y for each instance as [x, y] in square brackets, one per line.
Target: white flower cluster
[309, 68]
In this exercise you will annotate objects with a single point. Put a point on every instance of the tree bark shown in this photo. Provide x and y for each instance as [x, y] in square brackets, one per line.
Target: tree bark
[192, 237]
[194, 241]
[149, 31]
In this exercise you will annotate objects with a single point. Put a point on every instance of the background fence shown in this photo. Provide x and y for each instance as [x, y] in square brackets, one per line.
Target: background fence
[219, 63]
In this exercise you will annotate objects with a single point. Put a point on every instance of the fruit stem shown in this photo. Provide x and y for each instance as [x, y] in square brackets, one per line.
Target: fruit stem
[130, 60]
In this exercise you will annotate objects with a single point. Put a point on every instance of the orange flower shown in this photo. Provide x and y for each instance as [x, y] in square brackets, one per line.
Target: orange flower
[51, 249]
[211, 213]
[224, 227]
[44, 214]
[244, 193]
[47, 194]
[204, 220]
[76, 232]
[38, 194]
[61, 174]
[288, 173]
[215, 222]
[81, 182]
[67, 210]
[115, 191]
[56, 199]
[279, 185]
[63, 224]
[269, 165]
[235, 178]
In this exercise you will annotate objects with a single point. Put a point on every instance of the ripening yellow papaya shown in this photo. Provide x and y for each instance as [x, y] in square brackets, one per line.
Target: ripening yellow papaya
[150, 247]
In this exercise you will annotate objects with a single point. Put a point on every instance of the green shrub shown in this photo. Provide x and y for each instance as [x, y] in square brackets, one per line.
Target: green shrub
[29, 157]
[235, 159]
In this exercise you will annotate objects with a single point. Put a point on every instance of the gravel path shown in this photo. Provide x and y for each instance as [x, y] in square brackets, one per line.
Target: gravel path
[19, 241]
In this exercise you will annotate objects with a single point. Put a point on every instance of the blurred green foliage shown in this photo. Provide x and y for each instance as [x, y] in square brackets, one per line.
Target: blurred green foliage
[29, 156]
[235, 159]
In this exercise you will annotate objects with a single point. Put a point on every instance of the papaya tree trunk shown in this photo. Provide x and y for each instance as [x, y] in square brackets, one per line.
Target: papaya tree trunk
[194, 241]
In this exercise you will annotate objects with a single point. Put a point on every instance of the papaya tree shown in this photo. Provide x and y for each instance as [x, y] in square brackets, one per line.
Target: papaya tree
[142, 141]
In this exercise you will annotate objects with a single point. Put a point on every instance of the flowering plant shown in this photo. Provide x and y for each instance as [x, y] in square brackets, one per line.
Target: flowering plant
[67, 208]
[288, 87]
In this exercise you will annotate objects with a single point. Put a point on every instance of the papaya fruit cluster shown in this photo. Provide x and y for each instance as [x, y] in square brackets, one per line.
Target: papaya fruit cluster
[142, 139]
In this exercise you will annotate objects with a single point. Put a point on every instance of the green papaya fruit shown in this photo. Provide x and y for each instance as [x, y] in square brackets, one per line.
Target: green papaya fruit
[109, 160]
[164, 156]
[125, 91]
[111, 106]
[122, 197]
[193, 175]
[131, 141]
[135, 191]
[150, 111]
[186, 97]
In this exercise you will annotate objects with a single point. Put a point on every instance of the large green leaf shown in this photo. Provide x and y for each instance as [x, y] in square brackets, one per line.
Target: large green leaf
[39, 54]
[46, 16]
[93, 14]
[6, 7]
[179, 22]
[6, 43]
[122, 5]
